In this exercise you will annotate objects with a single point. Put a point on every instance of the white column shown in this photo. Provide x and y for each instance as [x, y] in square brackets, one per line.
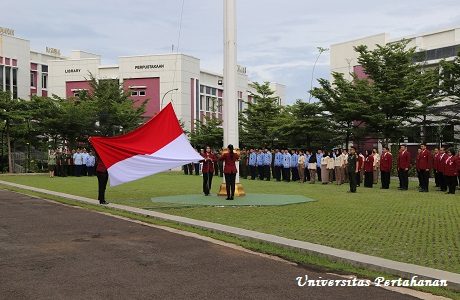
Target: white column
[230, 104]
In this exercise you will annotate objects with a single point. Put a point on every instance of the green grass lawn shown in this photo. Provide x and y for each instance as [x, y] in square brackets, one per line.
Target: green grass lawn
[413, 227]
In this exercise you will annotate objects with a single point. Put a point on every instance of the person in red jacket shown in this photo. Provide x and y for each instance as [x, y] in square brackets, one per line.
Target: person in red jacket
[368, 169]
[424, 160]
[441, 165]
[436, 166]
[386, 163]
[102, 178]
[229, 158]
[451, 171]
[208, 169]
[360, 174]
[403, 168]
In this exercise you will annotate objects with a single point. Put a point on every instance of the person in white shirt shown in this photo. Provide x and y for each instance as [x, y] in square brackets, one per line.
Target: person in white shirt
[376, 165]
[78, 162]
[338, 166]
[84, 168]
[330, 167]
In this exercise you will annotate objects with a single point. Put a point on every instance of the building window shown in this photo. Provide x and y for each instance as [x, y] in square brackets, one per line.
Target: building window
[76, 94]
[44, 69]
[219, 105]
[134, 93]
[202, 89]
[15, 83]
[32, 79]
[8, 78]
[44, 81]
[142, 93]
[208, 90]
[201, 102]
[1, 78]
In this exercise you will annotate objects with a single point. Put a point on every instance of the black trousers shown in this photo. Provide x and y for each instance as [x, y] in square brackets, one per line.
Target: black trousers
[230, 184]
[368, 179]
[451, 182]
[436, 178]
[267, 172]
[197, 169]
[385, 179]
[190, 169]
[419, 179]
[260, 171]
[253, 170]
[185, 167]
[84, 170]
[78, 169]
[306, 174]
[295, 173]
[318, 171]
[287, 174]
[403, 179]
[442, 182]
[90, 171]
[207, 182]
[352, 178]
[278, 173]
[102, 178]
[424, 179]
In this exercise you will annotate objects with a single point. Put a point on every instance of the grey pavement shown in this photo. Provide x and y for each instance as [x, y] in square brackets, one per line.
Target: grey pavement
[53, 251]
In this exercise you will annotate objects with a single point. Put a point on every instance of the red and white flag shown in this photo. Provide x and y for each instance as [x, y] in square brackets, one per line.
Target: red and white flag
[157, 146]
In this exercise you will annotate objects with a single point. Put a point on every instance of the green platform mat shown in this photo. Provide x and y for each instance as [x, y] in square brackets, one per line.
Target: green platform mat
[248, 200]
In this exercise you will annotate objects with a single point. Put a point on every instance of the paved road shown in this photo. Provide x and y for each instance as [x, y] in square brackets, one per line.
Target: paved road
[53, 251]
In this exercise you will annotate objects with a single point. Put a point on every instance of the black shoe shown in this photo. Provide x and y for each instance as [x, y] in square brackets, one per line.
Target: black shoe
[104, 202]
[231, 198]
[206, 194]
[228, 198]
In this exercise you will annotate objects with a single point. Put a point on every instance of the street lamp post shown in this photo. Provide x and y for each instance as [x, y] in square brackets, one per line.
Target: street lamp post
[161, 106]
[321, 50]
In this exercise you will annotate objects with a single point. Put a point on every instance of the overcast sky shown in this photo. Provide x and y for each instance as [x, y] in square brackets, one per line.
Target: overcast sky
[277, 40]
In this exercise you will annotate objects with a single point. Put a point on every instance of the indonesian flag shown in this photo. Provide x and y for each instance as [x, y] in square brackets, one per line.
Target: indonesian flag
[157, 146]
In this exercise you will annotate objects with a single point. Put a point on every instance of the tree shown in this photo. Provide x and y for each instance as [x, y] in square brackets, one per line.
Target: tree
[303, 125]
[208, 132]
[258, 120]
[346, 103]
[390, 69]
[115, 112]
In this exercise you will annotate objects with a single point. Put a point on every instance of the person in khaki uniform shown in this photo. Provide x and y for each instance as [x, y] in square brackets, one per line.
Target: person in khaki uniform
[376, 155]
[301, 166]
[338, 166]
[330, 167]
[324, 171]
[312, 167]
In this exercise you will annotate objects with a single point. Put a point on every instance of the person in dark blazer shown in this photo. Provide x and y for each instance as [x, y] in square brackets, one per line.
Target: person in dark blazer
[229, 158]
[403, 168]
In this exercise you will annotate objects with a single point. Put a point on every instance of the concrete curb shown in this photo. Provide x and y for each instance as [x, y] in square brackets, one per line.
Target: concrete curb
[404, 270]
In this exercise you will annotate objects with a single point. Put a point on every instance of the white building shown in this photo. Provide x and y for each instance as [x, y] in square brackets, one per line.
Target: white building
[157, 78]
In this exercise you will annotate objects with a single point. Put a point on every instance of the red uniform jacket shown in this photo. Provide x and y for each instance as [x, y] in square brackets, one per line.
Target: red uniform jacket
[360, 162]
[436, 161]
[442, 162]
[208, 162]
[404, 160]
[450, 168]
[101, 168]
[369, 164]
[230, 166]
[386, 162]
[424, 160]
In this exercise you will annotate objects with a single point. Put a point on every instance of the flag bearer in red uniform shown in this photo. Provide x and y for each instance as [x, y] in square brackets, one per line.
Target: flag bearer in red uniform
[208, 169]
[441, 166]
[102, 178]
[230, 170]
[436, 166]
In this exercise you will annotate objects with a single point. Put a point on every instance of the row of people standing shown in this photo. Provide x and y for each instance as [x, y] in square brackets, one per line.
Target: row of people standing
[68, 162]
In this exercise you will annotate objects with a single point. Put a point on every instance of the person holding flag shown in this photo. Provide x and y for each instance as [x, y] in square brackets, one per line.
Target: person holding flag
[208, 169]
